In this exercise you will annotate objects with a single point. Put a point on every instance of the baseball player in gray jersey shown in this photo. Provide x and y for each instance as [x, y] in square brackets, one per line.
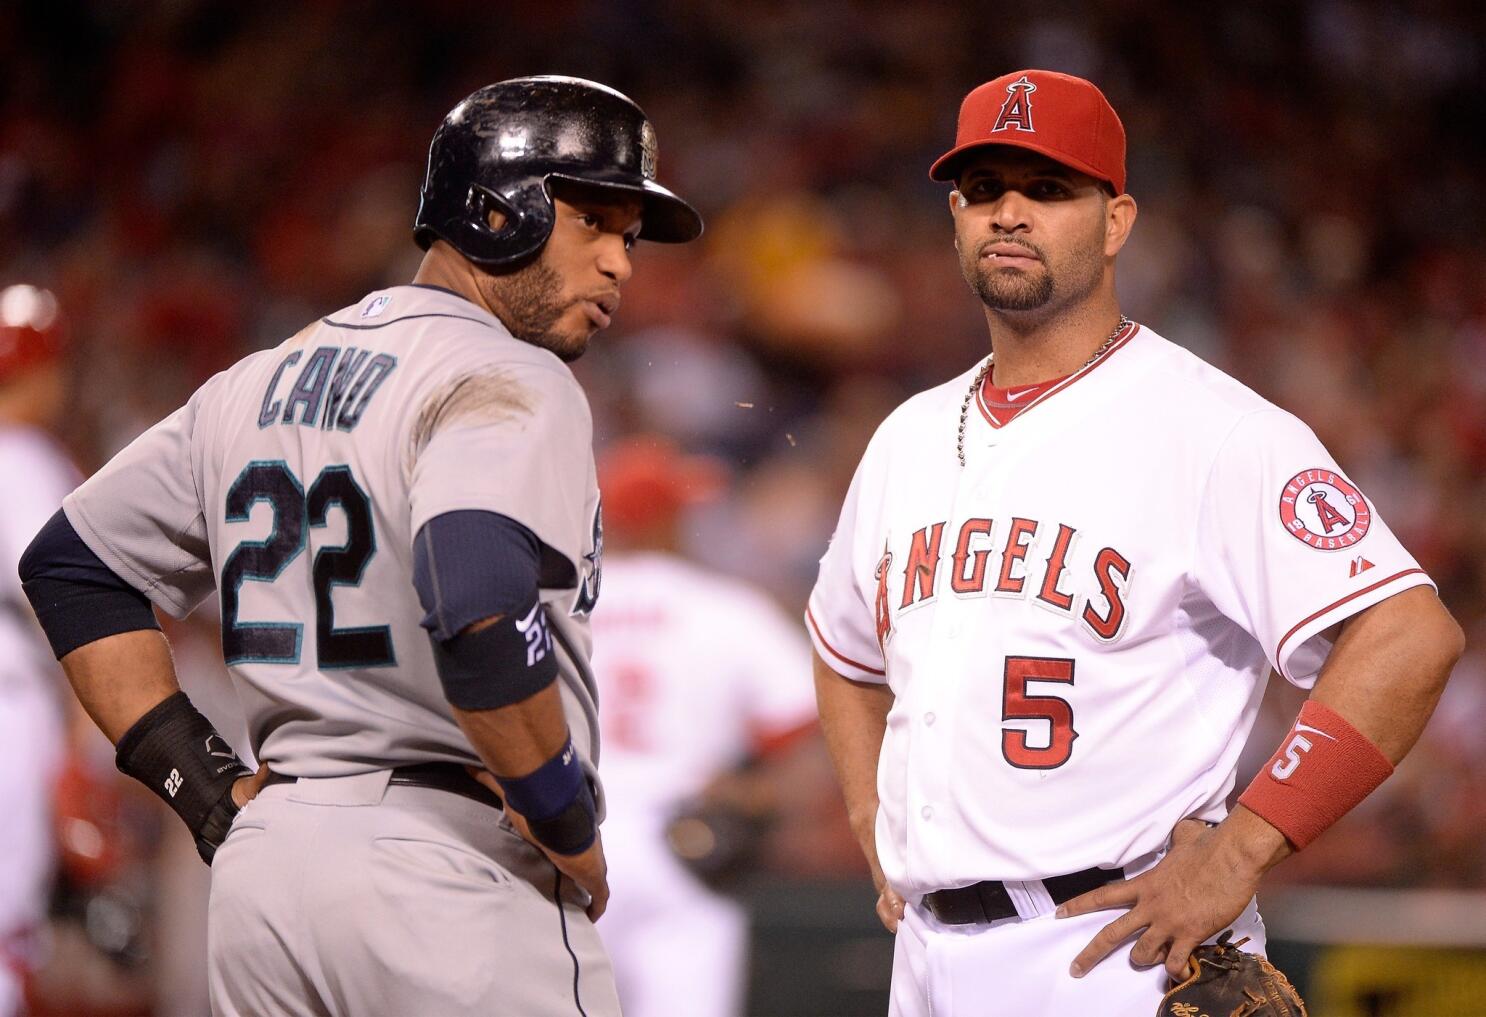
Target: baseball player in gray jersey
[398, 509]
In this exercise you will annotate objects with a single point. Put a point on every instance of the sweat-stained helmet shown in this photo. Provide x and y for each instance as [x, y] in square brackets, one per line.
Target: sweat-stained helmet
[500, 148]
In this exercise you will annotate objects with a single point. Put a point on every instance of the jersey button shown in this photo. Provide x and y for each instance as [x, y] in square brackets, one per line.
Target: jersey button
[927, 812]
[929, 718]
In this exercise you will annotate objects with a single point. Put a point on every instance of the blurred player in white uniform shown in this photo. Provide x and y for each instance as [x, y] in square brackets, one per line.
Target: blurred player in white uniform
[698, 673]
[1058, 583]
[398, 509]
[38, 474]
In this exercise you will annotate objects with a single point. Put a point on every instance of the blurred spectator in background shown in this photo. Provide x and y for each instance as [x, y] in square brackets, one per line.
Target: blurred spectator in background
[703, 699]
[36, 475]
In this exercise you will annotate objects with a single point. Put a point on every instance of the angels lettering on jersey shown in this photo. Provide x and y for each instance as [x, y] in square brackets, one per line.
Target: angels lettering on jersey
[1016, 558]
[881, 611]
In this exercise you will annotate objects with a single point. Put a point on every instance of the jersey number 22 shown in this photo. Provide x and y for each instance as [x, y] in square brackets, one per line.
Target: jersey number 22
[294, 513]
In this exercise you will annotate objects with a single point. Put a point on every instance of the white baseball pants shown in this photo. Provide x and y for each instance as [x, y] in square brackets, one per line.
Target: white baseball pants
[1018, 967]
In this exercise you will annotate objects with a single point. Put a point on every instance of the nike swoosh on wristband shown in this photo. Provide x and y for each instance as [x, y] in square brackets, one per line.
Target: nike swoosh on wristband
[1314, 730]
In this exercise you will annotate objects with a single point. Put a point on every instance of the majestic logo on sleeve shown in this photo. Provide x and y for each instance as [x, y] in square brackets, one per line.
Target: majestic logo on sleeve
[1016, 111]
[1322, 509]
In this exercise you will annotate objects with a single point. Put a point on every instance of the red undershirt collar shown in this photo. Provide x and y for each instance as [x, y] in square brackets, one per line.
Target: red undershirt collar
[1002, 405]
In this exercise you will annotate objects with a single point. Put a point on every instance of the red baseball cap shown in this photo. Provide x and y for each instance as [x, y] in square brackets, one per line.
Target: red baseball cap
[646, 479]
[1063, 117]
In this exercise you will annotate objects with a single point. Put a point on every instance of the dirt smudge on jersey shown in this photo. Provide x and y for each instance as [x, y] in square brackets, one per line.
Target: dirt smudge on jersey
[487, 397]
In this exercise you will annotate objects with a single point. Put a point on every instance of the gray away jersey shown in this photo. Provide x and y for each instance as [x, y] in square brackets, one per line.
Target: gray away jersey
[294, 483]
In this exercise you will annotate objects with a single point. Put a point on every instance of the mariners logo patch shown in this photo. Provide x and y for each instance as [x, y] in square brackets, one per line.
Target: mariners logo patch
[1322, 509]
[593, 567]
[649, 151]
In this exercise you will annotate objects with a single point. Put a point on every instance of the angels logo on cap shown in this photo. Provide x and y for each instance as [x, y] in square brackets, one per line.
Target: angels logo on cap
[1322, 509]
[1016, 111]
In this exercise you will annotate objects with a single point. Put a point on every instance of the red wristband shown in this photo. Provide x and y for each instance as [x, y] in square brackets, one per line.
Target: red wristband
[1323, 768]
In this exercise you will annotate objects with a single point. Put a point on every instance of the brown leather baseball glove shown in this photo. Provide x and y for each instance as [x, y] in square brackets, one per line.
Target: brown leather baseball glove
[1224, 981]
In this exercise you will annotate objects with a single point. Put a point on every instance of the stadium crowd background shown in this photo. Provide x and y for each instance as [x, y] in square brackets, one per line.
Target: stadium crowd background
[196, 180]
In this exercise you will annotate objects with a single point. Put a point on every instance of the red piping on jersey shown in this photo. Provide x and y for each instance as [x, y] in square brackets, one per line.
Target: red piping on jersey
[833, 651]
[1332, 607]
[985, 412]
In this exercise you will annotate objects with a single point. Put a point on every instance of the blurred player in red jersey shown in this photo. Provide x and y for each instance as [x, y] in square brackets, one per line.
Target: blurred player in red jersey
[705, 683]
[37, 475]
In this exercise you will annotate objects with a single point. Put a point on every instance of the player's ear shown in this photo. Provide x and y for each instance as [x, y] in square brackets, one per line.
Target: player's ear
[495, 219]
[956, 201]
[1119, 219]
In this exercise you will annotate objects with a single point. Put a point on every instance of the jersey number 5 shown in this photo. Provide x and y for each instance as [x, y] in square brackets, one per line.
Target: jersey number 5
[294, 514]
[1056, 713]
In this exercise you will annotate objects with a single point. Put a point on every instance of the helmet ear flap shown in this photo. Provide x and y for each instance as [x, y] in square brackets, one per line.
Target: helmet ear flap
[527, 215]
[481, 202]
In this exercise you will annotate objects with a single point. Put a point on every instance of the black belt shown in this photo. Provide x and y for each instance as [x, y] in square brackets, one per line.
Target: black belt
[449, 777]
[988, 901]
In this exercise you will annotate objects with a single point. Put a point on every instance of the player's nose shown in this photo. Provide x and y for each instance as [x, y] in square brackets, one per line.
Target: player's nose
[613, 260]
[1011, 213]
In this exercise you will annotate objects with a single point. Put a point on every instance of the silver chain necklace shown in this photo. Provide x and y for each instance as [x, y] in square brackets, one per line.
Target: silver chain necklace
[986, 367]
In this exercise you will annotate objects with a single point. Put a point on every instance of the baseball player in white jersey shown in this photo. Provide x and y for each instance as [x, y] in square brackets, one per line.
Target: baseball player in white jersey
[698, 673]
[31, 724]
[1056, 587]
[398, 508]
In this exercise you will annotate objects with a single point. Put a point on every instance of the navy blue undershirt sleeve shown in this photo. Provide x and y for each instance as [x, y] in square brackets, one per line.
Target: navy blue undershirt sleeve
[469, 566]
[76, 597]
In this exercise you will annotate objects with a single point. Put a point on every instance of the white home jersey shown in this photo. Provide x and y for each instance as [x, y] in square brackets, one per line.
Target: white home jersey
[695, 671]
[1076, 625]
[39, 475]
[295, 482]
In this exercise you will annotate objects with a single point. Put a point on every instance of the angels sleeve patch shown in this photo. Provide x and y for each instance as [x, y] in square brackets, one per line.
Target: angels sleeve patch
[1322, 509]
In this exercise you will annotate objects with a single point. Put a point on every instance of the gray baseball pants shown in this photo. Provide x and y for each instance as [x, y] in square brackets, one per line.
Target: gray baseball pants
[347, 895]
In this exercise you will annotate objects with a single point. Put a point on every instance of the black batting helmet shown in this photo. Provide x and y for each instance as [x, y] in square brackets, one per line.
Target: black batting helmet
[499, 148]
